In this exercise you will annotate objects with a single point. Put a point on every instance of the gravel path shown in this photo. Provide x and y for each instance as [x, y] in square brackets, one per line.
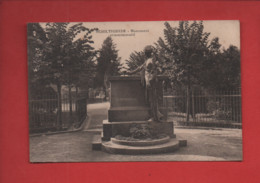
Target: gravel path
[209, 144]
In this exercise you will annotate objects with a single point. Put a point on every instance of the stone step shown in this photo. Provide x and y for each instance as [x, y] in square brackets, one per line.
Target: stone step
[136, 113]
[150, 142]
[96, 142]
[111, 129]
[114, 148]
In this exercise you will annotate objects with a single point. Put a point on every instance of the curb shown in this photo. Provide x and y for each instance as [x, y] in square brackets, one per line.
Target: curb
[87, 123]
[86, 120]
[207, 125]
[203, 127]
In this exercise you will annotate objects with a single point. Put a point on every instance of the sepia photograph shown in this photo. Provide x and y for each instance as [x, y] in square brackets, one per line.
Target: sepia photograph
[134, 91]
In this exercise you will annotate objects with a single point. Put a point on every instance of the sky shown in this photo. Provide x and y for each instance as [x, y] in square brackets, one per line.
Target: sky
[148, 32]
[228, 32]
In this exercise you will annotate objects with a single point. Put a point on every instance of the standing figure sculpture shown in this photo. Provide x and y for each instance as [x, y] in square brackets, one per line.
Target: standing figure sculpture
[148, 71]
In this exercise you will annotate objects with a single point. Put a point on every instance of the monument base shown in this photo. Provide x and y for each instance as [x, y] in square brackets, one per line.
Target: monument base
[127, 130]
[115, 148]
[108, 142]
[111, 129]
[122, 114]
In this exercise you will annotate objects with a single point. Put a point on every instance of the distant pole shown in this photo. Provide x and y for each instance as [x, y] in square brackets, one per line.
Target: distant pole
[188, 104]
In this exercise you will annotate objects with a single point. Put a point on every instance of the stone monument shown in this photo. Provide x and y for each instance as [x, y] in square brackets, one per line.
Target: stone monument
[128, 117]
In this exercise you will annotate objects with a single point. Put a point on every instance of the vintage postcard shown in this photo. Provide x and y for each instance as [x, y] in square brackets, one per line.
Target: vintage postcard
[134, 91]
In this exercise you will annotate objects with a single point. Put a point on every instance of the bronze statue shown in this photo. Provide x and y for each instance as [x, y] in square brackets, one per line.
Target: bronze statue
[148, 71]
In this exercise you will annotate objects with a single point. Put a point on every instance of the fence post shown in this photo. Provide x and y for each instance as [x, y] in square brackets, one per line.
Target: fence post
[59, 121]
[193, 105]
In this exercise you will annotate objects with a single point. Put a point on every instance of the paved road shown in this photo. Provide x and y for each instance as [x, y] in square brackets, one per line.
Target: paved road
[203, 144]
[97, 113]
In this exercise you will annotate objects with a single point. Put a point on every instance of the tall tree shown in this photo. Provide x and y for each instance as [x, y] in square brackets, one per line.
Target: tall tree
[64, 56]
[108, 63]
[135, 59]
[36, 39]
[230, 69]
[183, 52]
[221, 71]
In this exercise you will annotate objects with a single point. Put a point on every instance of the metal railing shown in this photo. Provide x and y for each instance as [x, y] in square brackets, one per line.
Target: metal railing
[204, 106]
[44, 114]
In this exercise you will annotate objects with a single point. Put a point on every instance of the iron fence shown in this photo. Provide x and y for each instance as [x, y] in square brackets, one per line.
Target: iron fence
[204, 106]
[44, 114]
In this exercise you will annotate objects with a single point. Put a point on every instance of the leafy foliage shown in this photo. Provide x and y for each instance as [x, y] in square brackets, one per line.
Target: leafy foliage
[189, 58]
[219, 110]
[108, 63]
[192, 60]
[36, 40]
[66, 56]
[183, 51]
[140, 131]
[58, 56]
[135, 60]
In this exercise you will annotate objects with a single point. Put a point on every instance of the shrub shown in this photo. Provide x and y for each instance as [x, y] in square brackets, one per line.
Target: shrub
[219, 110]
[140, 131]
[221, 114]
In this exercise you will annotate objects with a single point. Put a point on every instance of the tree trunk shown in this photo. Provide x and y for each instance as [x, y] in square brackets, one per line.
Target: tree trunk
[76, 99]
[59, 120]
[188, 104]
[193, 105]
[70, 105]
[105, 93]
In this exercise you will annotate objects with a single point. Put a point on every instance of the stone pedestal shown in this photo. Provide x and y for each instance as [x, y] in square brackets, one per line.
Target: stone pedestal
[127, 100]
[123, 128]
[128, 107]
